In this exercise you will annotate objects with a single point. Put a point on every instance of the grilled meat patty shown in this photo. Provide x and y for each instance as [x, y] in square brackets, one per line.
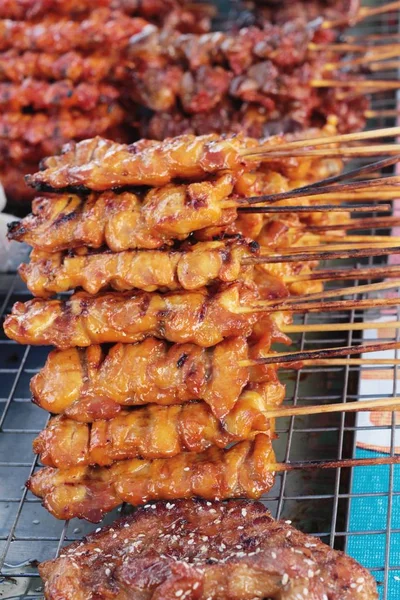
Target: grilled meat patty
[197, 550]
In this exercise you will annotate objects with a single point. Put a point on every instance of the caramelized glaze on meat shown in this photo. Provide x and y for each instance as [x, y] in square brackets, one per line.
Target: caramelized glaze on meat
[66, 124]
[74, 66]
[151, 371]
[151, 432]
[99, 164]
[204, 551]
[188, 268]
[203, 317]
[103, 27]
[89, 492]
[123, 221]
[40, 95]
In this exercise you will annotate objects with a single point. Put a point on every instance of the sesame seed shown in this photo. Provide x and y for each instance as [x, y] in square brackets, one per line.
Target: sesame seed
[288, 534]
[98, 529]
[186, 469]
[273, 555]
[305, 591]
[240, 527]
[244, 512]
[97, 550]
[196, 585]
[324, 597]
[360, 580]
[190, 542]
[310, 573]
[108, 572]
[209, 504]
[288, 522]
[353, 585]
[360, 588]
[114, 536]
[126, 525]
[285, 579]
[168, 506]
[178, 593]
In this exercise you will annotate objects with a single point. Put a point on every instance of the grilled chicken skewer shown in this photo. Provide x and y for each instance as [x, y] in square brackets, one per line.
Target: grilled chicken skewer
[87, 384]
[101, 27]
[152, 432]
[90, 492]
[200, 317]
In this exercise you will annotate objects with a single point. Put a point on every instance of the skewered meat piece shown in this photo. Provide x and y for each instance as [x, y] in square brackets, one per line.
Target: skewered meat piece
[89, 384]
[76, 67]
[150, 432]
[100, 164]
[199, 551]
[66, 124]
[245, 469]
[102, 28]
[188, 268]
[41, 95]
[203, 317]
[28, 9]
[123, 221]
[172, 14]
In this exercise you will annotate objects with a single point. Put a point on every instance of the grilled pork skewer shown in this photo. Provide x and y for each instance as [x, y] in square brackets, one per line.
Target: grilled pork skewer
[90, 492]
[200, 317]
[161, 432]
[152, 432]
[87, 384]
[100, 164]
[149, 270]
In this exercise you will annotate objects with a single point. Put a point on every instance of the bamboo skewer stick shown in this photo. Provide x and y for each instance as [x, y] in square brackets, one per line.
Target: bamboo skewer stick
[364, 170]
[330, 255]
[356, 151]
[350, 362]
[361, 186]
[358, 289]
[372, 114]
[314, 208]
[362, 13]
[372, 85]
[382, 272]
[373, 239]
[336, 464]
[367, 223]
[325, 247]
[293, 357]
[376, 404]
[326, 327]
[321, 306]
[323, 141]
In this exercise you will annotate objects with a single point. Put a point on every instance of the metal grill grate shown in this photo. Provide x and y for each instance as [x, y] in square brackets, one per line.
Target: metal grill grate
[316, 501]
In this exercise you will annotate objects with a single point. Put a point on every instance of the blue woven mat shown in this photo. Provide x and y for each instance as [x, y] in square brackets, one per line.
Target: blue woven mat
[369, 513]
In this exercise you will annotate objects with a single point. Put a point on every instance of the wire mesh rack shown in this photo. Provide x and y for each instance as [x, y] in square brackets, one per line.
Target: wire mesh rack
[318, 502]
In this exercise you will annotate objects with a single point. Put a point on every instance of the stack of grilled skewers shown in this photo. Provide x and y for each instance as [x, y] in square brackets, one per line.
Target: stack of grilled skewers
[193, 320]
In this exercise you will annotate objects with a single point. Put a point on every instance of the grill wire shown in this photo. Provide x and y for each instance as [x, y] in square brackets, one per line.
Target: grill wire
[317, 502]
